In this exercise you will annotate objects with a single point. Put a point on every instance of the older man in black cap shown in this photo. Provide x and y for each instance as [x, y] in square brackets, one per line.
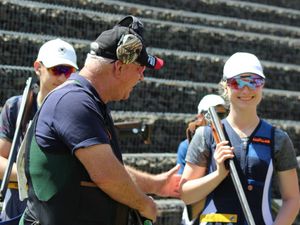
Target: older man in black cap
[73, 163]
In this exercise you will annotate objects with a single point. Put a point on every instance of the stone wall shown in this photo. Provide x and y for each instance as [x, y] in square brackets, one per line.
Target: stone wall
[193, 37]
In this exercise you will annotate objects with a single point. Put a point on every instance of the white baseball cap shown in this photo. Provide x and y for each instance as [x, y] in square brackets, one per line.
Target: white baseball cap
[57, 52]
[242, 62]
[208, 101]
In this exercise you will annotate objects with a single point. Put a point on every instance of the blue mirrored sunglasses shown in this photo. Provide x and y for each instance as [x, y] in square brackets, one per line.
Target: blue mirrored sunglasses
[251, 81]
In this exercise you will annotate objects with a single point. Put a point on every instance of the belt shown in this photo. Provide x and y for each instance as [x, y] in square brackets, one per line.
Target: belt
[218, 217]
[14, 185]
[88, 184]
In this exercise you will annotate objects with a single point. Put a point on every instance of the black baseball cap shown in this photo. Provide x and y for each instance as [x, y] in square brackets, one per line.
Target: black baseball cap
[108, 41]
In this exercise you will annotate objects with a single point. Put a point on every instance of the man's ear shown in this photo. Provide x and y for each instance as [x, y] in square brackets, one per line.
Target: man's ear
[118, 66]
[37, 67]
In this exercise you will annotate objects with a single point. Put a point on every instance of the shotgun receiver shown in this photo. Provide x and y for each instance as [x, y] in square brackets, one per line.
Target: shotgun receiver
[219, 136]
[21, 123]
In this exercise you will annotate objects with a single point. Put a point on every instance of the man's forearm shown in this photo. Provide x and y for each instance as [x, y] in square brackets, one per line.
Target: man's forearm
[145, 181]
[111, 176]
[124, 191]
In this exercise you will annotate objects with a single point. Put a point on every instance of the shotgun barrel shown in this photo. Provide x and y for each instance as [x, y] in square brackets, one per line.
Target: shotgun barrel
[24, 110]
[219, 136]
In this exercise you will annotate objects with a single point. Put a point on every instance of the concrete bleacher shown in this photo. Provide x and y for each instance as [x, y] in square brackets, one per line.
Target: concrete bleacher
[193, 37]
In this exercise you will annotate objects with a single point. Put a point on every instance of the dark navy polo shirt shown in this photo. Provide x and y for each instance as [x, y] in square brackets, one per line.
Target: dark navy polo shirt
[73, 116]
[9, 115]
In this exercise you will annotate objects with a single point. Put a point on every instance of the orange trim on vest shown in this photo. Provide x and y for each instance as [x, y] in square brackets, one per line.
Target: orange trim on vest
[261, 140]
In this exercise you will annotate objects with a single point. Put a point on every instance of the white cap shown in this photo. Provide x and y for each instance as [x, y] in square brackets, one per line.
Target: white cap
[57, 52]
[208, 101]
[242, 62]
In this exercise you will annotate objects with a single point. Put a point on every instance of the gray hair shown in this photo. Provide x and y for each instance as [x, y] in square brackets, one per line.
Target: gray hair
[99, 59]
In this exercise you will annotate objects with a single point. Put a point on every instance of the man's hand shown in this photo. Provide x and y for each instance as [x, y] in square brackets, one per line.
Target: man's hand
[167, 183]
[149, 210]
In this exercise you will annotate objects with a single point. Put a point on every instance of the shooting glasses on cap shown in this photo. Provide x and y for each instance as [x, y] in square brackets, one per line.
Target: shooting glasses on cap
[133, 23]
[125, 42]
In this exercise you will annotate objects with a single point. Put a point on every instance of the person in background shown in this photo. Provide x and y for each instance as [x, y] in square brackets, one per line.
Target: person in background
[203, 106]
[74, 133]
[55, 62]
[257, 149]
[206, 102]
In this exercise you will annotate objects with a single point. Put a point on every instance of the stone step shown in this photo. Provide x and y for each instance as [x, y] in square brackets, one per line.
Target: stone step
[235, 9]
[21, 49]
[291, 4]
[210, 40]
[150, 95]
[151, 162]
[169, 211]
[143, 11]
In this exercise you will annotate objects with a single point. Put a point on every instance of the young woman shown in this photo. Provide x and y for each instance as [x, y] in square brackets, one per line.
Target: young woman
[257, 148]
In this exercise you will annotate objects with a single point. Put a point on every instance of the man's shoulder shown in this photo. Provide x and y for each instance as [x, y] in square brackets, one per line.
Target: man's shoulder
[67, 92]
[13, 103]
[67, 98]
[281, 136]
[14, 99]
[203, 130]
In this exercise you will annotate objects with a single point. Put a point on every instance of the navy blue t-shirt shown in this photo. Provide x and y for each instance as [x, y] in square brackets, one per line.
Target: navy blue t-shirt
[75, 117]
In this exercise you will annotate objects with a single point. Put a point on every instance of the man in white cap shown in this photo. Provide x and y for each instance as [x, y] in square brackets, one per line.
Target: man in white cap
[55, 62]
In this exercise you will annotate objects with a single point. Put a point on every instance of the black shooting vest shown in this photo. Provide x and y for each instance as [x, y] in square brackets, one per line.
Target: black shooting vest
[56, 196]
[254, 165]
